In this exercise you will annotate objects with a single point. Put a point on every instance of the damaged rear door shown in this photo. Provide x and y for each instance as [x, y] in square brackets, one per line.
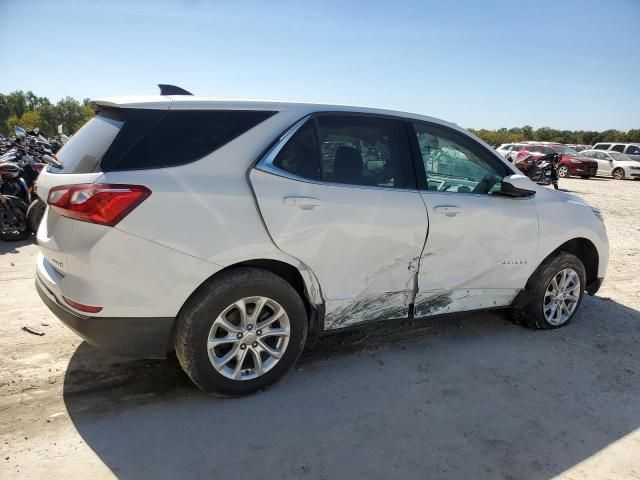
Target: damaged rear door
[336, 192]
[482, 245]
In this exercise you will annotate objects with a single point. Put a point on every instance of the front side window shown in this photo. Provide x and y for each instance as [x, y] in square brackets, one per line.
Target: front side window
[455, 164]
[361, 150]
[618, 148]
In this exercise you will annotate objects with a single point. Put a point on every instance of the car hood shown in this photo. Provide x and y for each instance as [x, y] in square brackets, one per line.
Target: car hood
[569, 197]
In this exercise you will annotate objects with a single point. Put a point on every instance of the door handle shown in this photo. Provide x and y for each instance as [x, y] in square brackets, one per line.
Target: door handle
[305, 203]
[448, 210]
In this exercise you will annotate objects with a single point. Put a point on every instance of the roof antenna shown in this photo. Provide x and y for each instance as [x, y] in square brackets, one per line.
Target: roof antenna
[172, 90]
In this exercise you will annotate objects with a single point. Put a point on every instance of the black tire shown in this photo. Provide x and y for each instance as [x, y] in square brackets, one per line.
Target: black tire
[18, 228]
[35, 212]
[530, 314]
[618, 173]
[201, 310]
[563, 171]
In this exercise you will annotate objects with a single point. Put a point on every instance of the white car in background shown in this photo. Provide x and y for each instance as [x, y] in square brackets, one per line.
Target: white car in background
[614, 164]
[236, 232]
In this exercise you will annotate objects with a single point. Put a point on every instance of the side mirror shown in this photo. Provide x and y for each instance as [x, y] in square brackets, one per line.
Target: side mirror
[517, 185]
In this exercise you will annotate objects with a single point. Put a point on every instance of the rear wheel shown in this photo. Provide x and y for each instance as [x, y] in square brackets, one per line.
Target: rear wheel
[555, 292]
[241, 332]
[35, 214]
[618, 173]
[13, 220]
[563, 171]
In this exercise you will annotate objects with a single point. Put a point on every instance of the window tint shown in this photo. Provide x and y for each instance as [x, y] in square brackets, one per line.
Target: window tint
[602, 146]
[361, 150]
[536, 149]
[633, 150]
[455, 164]
[618, 148]
[154, 138]
[300, 155]
[84, 150]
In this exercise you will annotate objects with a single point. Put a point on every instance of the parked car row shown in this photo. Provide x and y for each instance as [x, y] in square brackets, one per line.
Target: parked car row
[617, 160]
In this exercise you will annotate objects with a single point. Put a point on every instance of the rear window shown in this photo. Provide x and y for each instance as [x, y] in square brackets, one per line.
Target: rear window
[84, 150]
[134, 139]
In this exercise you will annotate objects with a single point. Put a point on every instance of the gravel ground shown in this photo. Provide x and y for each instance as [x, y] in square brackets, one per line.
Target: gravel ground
[472, 396]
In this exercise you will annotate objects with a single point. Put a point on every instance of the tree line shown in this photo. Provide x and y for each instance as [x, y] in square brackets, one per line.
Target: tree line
[30, 111]
[546, 134]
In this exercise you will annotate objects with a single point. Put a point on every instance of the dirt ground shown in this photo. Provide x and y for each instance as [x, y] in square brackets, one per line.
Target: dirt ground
[472, 396]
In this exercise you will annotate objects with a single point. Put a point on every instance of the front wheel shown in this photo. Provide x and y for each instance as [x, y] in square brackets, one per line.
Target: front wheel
[618, 173]
[241, 331]
[13, 220]
[554, 291]
[563, 171]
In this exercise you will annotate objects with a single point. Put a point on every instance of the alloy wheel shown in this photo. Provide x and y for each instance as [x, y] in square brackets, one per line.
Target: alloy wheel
[618, 174]
[561, 296]
[248, 338]
[563, 171]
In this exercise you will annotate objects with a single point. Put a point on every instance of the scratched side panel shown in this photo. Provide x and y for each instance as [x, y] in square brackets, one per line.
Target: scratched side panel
[346, 313]
[436, 303]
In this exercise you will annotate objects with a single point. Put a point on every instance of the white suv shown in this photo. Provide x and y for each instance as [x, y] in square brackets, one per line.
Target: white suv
[236, 232]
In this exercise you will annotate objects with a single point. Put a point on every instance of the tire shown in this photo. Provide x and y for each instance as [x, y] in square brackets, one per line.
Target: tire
[531, 314]
[618, 173]
[18, 229]
[35, 212]
[563, 171]
[200, 322]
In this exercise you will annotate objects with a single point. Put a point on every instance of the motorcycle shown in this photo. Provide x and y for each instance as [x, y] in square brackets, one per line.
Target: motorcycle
[541, 169]
[13, 217]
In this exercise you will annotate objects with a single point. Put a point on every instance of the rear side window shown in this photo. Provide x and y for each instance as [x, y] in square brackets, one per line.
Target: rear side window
[83, 151]
[358, 150]
[300, 155]
[633, 150]
[618, 148]
[602, 146]
[154, 139]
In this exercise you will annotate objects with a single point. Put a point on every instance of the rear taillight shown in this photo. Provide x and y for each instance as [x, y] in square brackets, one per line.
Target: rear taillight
[102, 203]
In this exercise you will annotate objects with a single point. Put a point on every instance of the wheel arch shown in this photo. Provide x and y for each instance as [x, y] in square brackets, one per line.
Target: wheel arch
[582, 248]
[303, 282]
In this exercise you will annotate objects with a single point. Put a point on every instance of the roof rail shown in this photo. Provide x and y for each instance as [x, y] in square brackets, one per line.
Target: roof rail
[172, 90]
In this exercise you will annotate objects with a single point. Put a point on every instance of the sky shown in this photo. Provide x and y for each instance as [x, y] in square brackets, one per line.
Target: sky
[566, 64]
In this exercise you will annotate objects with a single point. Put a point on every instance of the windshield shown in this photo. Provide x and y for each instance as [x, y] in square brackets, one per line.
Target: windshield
[618, 156]
[565, 150]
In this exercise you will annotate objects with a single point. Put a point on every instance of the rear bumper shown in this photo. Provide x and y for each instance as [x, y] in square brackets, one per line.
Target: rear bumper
[131, 337]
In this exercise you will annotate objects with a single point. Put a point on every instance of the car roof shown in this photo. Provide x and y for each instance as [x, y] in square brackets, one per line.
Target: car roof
[189, 102]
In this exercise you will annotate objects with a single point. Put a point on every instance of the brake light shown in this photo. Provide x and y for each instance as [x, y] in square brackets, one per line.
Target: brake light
[81, 307]
[101, 203]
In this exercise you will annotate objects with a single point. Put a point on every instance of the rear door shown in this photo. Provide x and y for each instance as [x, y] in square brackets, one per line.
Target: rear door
[336, 193]
[481, 245]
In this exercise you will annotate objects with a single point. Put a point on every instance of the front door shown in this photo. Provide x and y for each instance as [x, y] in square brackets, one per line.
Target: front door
[604, 163]
[334, 195]
[481, 246]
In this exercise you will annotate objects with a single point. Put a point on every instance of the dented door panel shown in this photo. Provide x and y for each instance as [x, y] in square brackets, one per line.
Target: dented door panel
[363, 244]
[483, 251]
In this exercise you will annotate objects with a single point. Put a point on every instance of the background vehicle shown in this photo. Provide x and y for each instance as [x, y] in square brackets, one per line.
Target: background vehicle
[295, 219]
[632, 150]
[13, 216]
[571, 163]
[614, 164]
[578, 148]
